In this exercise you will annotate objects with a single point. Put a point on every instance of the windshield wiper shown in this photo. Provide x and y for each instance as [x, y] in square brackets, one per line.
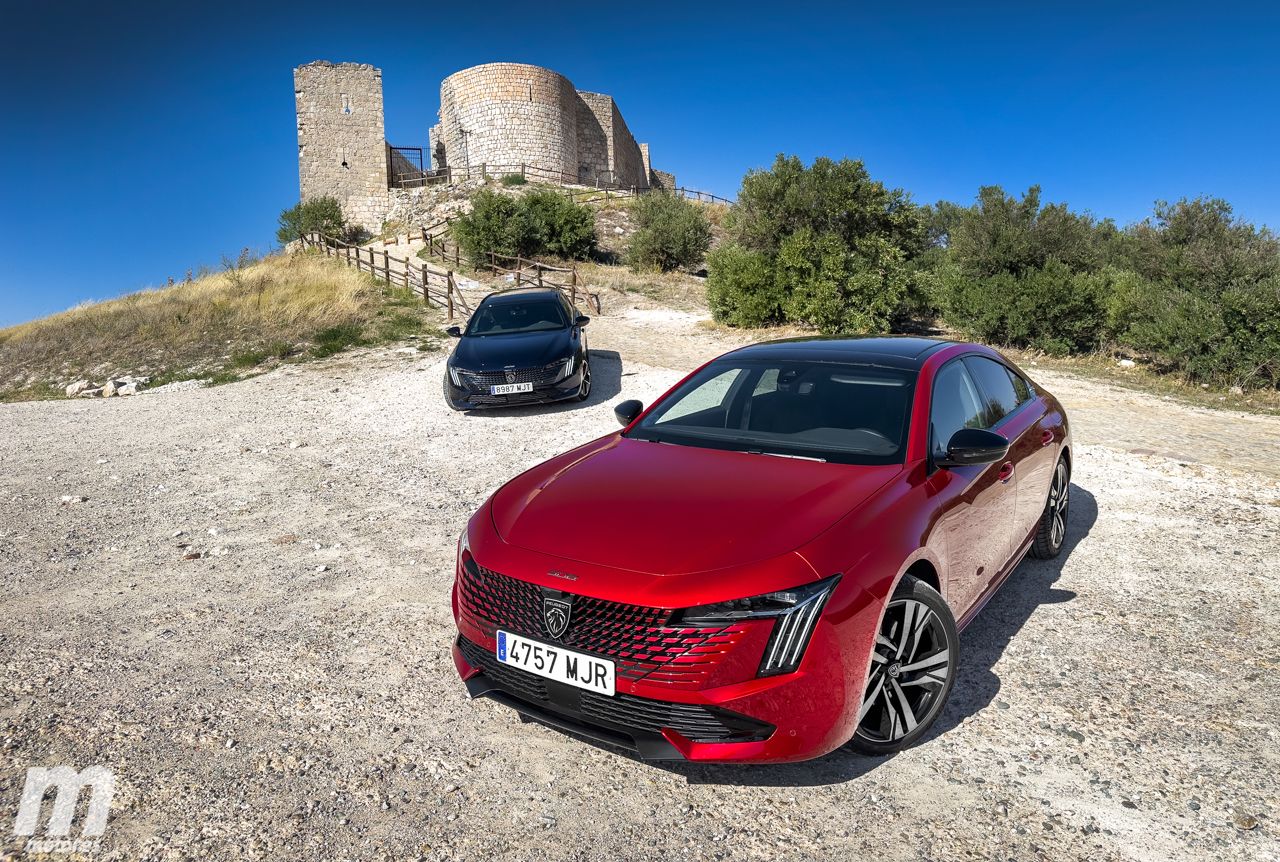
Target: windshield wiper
[780, 455]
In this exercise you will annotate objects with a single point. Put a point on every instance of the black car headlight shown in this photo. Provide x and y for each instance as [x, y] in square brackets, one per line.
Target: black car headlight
[795, 613]
[568, 365]
[454, 376]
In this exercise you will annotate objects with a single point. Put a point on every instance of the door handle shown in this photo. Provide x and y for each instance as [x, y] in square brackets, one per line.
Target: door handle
[1006, 471]
[1046, 438]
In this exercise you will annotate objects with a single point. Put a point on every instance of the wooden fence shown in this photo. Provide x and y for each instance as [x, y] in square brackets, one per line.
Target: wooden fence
[420, 278]
[528, 272]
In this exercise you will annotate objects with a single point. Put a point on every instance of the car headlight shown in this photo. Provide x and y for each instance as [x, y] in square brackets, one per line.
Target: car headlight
[795, 613]
[568, 367]
[464, 541]
[457, 381]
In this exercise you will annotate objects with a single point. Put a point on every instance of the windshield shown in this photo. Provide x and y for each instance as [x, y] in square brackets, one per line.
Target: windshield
[845, 412]
[511, 316]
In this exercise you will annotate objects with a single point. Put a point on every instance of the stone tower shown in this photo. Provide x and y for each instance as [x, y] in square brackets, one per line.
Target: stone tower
[342, 149]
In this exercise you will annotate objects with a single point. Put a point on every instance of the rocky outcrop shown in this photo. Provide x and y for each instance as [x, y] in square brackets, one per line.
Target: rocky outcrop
[127, 385]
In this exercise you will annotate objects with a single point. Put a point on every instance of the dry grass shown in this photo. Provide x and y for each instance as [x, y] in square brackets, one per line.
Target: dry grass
[281, 306]
[674, 289]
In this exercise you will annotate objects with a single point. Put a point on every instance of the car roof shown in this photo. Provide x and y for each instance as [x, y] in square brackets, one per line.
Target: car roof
[517, 293]
[898, 351]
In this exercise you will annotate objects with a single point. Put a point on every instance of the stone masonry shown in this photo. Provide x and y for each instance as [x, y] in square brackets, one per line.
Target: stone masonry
[496, 114]
[342, 149]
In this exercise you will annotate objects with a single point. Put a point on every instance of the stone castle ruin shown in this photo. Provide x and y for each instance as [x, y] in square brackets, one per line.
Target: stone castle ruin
[508, 116]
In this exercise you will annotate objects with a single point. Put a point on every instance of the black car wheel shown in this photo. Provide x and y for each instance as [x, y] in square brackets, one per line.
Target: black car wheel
[1052, 530]
[912, 668]
[584, 392]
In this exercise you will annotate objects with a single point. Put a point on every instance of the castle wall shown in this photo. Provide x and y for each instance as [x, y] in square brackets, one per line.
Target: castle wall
[341, 142]
[595, 137]
[628, 163]
[509, 114]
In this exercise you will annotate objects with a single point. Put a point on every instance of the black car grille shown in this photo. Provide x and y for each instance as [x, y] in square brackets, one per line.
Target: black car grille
[642, 641]
[482, 380]
[623, 712]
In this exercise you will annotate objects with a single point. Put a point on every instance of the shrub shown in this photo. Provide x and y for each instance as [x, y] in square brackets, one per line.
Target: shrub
[672, 233]
[318, 214]
[823, 245]
[741, 289]
[556, 225]
[541, 222]
[1050, 308]
[513, 179]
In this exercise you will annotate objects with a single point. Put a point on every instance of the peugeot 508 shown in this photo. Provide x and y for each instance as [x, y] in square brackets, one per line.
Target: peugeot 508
[774, 559]
[521, 346]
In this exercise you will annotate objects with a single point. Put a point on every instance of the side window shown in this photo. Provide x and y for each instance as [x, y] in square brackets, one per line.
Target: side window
[996, 387]
[1021, 387]
[956, 405]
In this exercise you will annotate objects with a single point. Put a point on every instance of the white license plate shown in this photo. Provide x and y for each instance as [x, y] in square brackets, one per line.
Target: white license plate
[508, 388]
[558, 663]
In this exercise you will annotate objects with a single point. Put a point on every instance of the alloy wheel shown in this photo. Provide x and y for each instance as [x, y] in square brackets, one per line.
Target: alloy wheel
[1059, 499]
[910, 667]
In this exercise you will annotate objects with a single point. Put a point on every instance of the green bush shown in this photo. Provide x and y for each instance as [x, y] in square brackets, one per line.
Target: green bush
[555, 225]
[1049, 308]
[541, 222]
[672, 233]
[513, 179]
[824, 245]
[741, 289]
[318, 214]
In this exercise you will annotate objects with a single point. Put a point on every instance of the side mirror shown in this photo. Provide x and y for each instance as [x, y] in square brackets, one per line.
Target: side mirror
[582, 320]
[974, 446]
[627, 411]
[455, 331]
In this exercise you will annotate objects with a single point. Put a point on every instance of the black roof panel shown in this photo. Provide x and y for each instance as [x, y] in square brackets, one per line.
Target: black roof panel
[905, 351]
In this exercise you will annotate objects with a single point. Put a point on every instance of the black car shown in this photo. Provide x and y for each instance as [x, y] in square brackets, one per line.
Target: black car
[521, 346]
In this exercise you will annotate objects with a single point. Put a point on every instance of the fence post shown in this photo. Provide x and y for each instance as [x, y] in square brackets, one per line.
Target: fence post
[426, 298]
[539, 276]
[484, 171]
[522, 175]
[449, 297]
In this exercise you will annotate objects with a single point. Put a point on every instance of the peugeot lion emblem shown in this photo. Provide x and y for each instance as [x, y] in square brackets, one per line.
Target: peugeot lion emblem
[511, 377]
[555, 612]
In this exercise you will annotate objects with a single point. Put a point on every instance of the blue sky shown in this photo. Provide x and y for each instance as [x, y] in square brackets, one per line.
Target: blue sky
[140, 141]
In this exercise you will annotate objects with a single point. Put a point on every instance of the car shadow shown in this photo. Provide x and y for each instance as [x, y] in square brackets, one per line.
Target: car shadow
[982, 644]
[606, 384]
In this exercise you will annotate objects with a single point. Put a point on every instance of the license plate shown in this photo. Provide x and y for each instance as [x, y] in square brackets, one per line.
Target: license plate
[558, 663]
[509, 388]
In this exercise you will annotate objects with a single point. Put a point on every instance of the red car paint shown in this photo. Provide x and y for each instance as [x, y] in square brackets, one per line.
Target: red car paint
[641, 523]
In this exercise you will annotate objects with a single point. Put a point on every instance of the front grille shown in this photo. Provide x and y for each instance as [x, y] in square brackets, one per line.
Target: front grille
[482, 380]
[627, 713]
[641, 640]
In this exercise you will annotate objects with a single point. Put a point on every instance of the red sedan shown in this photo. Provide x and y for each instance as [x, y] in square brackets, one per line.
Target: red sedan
[774, 559]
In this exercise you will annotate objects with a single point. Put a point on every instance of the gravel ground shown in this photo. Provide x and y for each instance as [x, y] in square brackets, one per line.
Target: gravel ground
[289, 693]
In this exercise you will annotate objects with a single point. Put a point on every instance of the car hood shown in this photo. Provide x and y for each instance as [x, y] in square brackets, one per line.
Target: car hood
[522, 350]
[663, 509]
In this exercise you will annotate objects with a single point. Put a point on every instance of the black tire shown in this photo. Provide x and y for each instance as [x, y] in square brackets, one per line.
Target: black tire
[1051, 532]
[901, 702]
[584, 392]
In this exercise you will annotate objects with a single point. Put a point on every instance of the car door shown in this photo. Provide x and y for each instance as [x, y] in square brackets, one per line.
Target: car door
[1018, 417]
[976, 501]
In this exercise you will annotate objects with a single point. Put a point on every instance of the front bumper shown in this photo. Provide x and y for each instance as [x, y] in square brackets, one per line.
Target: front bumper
[461, 398]
[778, 719]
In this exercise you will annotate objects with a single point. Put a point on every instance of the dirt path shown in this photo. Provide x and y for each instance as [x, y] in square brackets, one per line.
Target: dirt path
[290, 694]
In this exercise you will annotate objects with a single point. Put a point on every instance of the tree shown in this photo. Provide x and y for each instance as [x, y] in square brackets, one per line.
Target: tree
[837, 245]
[672, 233]
[323, 215]
[540, 222]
